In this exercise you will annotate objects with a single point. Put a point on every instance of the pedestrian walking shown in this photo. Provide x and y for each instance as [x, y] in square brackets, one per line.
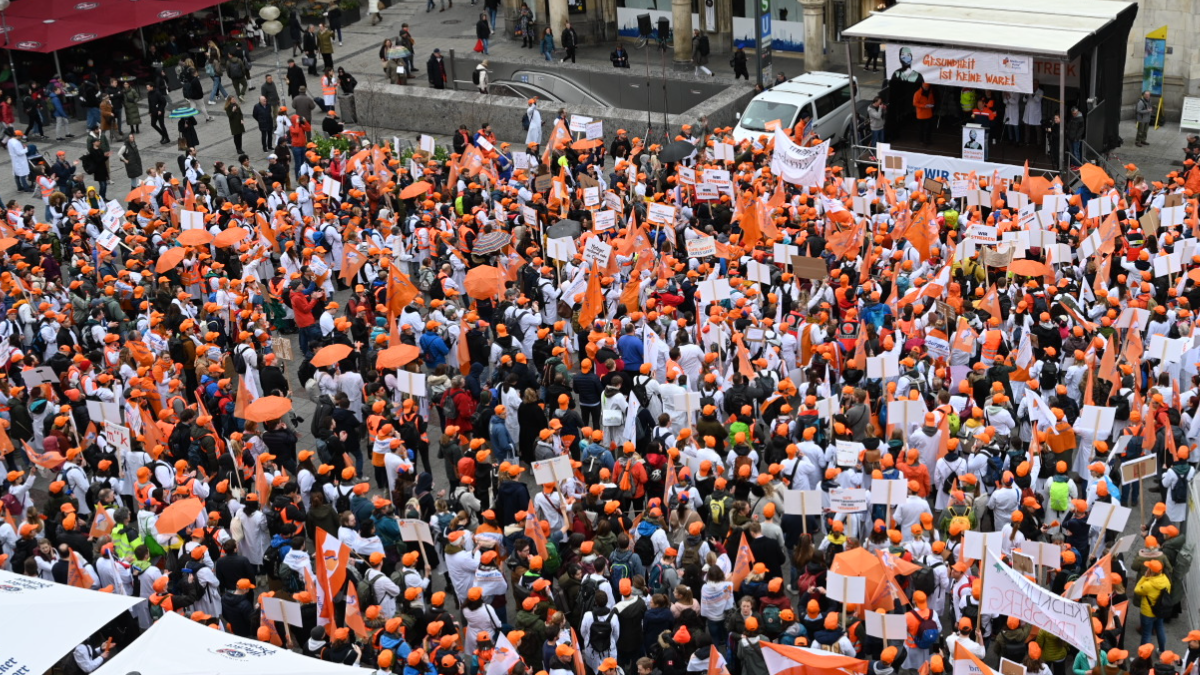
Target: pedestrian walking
[480, 77]
[347, 83]
[266, 121]
[483, 31]
[157, 102]
[325, 45]
[548, 44]
[239, 74]
[129, 100]
[700, 48]
[18, 155]
[738, 62]
[436, 70]
[570, 40]
[237, 125]
[131, 158]
[525, 27]
[214, 67]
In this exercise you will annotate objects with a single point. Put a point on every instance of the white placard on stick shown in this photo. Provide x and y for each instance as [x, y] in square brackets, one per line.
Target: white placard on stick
[117, 436]
[847, 452]
[1096, 420]
[604, 220]
[713, 290]
[1136, 469]
[39, 375]
[702, 247]
[974, 543]
[413, 529]
[845, 589]
[847, 500]
[886, 626]
[661, 214]
[892, 492]
[411, 383]
[191, 220]
[597, 252]
[331, 188]
[802, 502]
[562, 248]
[552, 470]
[1109, 516]
[286, 611]
[99, 411]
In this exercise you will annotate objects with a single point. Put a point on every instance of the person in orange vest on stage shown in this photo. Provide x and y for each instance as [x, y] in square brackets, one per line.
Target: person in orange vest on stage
[923, 102]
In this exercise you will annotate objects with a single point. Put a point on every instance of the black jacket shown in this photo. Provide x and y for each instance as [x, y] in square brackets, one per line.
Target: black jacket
[588, 387]
[157, 102]
[232, 568]
[482, 29]
[569, 38]
[238, 609]
[262, 115]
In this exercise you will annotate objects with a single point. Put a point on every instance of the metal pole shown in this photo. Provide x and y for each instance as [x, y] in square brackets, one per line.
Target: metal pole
[649, 124]
[12, 67]
[1062, 117]
[852, 147]
[220, 20]
[57, 67]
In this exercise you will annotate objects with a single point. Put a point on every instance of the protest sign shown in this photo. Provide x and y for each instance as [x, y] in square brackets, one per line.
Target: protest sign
[702, 247]
[661, 214]
[975, 543]
[948, 66]
[118, 437]
[1109, 516]
[1008, 593]
[603, 220]
[847, 500]
[889, 492]
[284, 611]
[802, 502]
[552, 470]
[846, 589]
[847, 452]
[597, 252]
[1136, 469]
[886, 626]
[412, 529]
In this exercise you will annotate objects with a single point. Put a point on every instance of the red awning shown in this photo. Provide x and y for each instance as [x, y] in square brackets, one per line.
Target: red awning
[46, 26]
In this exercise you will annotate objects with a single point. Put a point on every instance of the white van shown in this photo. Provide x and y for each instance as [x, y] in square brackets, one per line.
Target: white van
[822, 96]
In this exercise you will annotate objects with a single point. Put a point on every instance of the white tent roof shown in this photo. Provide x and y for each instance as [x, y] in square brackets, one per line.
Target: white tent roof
[1021, 26]
[177, 646]
[36, 634]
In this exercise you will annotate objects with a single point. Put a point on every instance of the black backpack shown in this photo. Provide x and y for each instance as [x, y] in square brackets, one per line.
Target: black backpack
[925, 579]
[475, 76]
[342, 503]
[1179, 491]
[587, 595]
[236, 69]
[513, 324]
[644, 549]
[600, 632]
[239, 359]
[324, 409]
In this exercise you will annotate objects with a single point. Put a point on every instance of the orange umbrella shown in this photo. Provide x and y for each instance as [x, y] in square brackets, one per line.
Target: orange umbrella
[1028, 268]
[1093, 177]
[230, 237]
[7, 243]
[586, 144]
[858, 562]
[1194, 275]
[139, 193]
[327, 356]
[178, 515]
[395, 357]
[171, 258]
[415, 190]
[195, 237]
[267, 408]
[484, 282]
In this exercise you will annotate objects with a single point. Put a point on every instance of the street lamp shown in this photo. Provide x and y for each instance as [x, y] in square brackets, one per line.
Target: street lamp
[271, 26]
[12, 68]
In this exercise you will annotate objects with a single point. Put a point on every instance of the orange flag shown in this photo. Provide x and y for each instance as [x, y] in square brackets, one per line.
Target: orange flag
[6, 444]
[1108, 365]
[943, 436]
[965, 337]
[102, 523]
[633, 290]
[751, 230]
[741, 564]
[961, 652]
[76, 575]
[243, 399]
[922, 233]
[842, 243]
[578, 657]
[8, 518]
[354, 615]
[533, 530]
[991, 302]
[261, 486]
[593, 299]
[1132, 353]
[46, 460]
[464, 353]
[352, 261]
[154, 435]
[400, 291]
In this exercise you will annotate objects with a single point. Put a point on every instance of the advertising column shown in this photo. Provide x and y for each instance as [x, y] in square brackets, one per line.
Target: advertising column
[762, 45]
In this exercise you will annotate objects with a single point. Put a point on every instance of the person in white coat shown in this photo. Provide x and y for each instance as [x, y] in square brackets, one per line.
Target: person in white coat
[18, 155]
[613, 407]
[594, 653]
[534, 135]
[386, 590]
[1033, 115]
[1177, 511]
[253, 523]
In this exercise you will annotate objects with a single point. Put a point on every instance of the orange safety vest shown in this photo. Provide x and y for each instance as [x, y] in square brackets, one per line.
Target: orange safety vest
[991, 345]
[328, 87]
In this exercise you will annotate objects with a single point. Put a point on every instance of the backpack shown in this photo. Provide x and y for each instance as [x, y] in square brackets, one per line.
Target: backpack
[718, 511]
[643, 548]
[468, 407]
[341, 503]
[995, 470]
[239, 359]
[927, 631]
[13, 505]
[236, 70]
[925, 579]
[948, 483]
[591, 469]
[513, 324]
[89, 340]
[1179, 491]
[1122, 412]
[293, 582]
[366, 590]
[642, 395]
[449, 407]
[600, 634]
[425, 278]
[617, 572]
[475, 76]
[587, 595]
[690, 556]
[524, 121]
[655, 579]
[1060, 495]
[772, 624]
[324, 409]
[209, 70]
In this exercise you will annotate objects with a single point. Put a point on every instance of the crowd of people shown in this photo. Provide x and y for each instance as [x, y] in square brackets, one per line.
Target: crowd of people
[461, 325]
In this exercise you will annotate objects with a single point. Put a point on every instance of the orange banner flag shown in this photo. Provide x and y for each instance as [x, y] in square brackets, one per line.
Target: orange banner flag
[593, 299]
[102, 523]
[354, 614]
[464, 352]
[152, 432]
[261, 485]
[352, 261]
[243, 399]
[741, 564]
[46, 460]
[6, 444]
[76, 575]
[400, 291]
[533, 530]
[991, 302]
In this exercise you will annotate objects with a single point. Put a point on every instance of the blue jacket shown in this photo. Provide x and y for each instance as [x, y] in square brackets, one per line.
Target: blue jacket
[434, 348]
[498, 435]
[423, 669]
[598, 450]
[632, 351]
[589, 388]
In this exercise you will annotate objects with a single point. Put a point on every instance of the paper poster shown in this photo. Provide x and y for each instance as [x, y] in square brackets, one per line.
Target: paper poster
[108, 240]
[952, 67]
[713, 290]
[578, 123]
[707, 192]
[594, 130]
[1023, 563]
[975, 542]
[427, 145]
[758, 272]
[411, 383]
[1136, 469]
[561, 249]
[886, 626]
[661, 214]
[802, 502]
[847, 500]
[603, 220]
[702, 247]
[191, 220]
[597, 252]
[39, 375]
[1007, 593]
[284, 611]
[552, 470]
[893, 492]
[687, 175]
[1096, 421]
[332, 188]
[845, 589]
[412, 529]
[1109, 516]
[117, 436]
[847, 452]
[103, 410]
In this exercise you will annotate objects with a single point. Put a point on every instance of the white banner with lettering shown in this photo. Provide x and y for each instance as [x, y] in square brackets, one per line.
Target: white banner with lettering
[797, 164]
[1007, 593]
[961, 68]
[953, 168]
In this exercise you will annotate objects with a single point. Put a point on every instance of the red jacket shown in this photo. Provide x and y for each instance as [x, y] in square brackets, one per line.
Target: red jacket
[303, 306]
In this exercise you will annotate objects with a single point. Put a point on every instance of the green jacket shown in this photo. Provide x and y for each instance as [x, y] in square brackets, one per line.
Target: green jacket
[1053, 648]
[325, 41]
